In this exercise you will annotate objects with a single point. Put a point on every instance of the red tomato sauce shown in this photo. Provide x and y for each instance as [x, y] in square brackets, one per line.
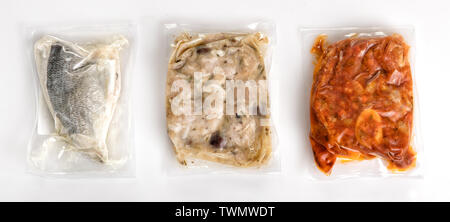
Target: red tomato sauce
[361, 104]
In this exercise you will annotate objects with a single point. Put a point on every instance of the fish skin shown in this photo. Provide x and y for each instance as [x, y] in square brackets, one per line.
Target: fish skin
[81, 86]
[62, 91]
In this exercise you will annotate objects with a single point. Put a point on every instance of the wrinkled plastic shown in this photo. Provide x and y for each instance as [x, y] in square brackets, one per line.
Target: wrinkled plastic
[221, 139]
[362, 104]
[84, 123]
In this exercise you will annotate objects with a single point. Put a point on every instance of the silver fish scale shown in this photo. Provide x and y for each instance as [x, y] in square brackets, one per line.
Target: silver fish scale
[74, 93]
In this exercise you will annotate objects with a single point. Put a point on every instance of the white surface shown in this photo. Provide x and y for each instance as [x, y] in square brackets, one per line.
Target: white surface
[431, 19]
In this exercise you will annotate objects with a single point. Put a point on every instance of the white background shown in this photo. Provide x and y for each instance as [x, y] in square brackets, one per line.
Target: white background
[430, 18]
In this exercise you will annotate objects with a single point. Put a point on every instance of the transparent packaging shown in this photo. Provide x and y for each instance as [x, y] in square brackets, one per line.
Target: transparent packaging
[84, 124]
[211, 126]
[364, 109]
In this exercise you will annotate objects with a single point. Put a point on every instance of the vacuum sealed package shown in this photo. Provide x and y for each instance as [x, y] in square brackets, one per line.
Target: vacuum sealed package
[217, 97]
[84, 123]
[363, 107]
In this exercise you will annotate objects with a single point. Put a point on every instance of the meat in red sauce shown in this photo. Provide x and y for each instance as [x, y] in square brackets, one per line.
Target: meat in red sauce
[361, 103]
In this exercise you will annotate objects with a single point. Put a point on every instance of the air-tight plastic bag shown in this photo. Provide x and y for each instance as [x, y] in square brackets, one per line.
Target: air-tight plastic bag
[84, 123]
[217, 97]
[363, 105]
